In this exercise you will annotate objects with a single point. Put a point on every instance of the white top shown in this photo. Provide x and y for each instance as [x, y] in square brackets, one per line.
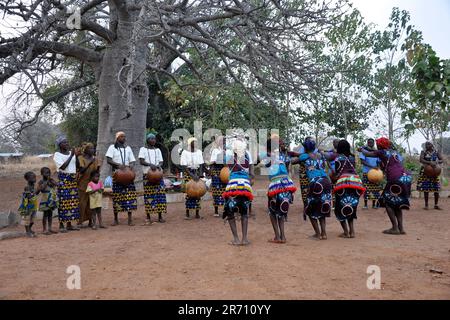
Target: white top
[61, 158]
[217, 155]
[120, 155]
[192, 160]
[152, 156]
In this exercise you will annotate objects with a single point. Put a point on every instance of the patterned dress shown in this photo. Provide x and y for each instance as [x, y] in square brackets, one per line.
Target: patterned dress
[397, 191]
[154, 194]
[190, 203]
[154, 197]
[68, 199]
[318, 199]
[28, 206]
[49, 199]
[217, 186]
[281, 188]
[373, 190]
[238, 193]
[348, 188]
[124, 197]
[425, 183]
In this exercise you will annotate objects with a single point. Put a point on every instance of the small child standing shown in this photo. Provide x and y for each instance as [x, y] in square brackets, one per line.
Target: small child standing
[95, 190]
[28, 206]
[48, 203]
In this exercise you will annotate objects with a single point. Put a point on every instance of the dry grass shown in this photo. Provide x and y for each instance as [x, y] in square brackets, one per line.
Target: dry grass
[18, 168]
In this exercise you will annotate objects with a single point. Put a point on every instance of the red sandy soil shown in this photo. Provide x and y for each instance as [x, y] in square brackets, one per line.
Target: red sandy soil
[192, 259]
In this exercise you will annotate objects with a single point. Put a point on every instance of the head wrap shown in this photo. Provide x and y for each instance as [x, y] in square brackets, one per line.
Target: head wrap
[119, 133]
[383, 143]
[151, 136]
[191, 139]
[86, 145]
[309, 144]
[425, 145]
[239, 147]
[60, 140]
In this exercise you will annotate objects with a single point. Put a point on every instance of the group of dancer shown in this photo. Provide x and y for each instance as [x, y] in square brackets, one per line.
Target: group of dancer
[328, 182]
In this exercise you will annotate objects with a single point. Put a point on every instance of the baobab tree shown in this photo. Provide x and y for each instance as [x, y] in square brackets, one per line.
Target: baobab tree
[127, 43]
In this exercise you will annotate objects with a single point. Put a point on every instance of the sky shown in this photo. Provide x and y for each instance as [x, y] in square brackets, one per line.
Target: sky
[432, 17]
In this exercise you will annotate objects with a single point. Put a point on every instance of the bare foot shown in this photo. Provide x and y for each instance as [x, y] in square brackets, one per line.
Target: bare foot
[275, 241]
[245, 242]
[235, 242]
[323, 237]
[392, 231]
[315, 237]
[344, 235]
[402, 232]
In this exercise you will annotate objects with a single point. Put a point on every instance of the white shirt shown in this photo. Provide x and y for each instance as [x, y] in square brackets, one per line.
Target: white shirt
[217, 155]
[120, 155]
[61, 158]
[152, 156]
[192, 160]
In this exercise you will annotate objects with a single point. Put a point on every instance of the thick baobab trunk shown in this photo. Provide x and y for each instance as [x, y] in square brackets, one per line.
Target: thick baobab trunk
[113, 112]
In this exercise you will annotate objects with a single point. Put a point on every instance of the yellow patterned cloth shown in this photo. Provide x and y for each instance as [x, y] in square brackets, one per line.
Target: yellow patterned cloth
[68, 199]
[154, 197]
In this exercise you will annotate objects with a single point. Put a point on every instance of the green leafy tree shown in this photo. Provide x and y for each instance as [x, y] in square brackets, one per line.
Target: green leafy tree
[392, 80]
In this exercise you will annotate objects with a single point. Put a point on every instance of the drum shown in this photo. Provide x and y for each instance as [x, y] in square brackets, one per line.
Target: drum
[375, 176]
[155, 176]
[432, 172]
[195, 189]
[124, 176]
[224, 175]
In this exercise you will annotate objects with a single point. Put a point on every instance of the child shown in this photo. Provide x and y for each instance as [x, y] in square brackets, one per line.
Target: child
[48, 203]
[28, 205]
[95, 190]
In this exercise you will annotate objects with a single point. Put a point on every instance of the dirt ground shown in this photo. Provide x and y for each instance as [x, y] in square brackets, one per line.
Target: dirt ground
[192, 259]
